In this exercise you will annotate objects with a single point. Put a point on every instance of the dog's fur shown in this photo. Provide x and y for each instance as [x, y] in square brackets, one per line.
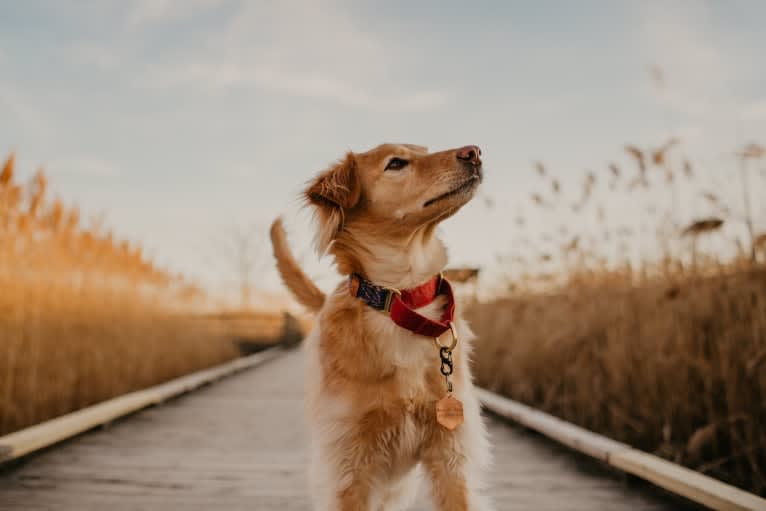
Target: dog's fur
[371, 386]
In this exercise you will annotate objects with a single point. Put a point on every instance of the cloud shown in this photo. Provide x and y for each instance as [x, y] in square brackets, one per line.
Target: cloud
[318, 53]
[321, 86]
[704, 75]
[100, 56]
[755, 110]
[21, 112]
[305, 84]
[697, 72]
[240, 171]
[149, 12]
[89, 166]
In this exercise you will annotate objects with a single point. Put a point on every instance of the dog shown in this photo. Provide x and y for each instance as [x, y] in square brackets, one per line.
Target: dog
[384, 389]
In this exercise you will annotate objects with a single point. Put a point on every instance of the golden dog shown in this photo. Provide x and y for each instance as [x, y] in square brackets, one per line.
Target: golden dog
[378, 358]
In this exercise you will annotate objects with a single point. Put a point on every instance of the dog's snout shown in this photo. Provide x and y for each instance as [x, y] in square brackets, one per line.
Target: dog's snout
[469, 154]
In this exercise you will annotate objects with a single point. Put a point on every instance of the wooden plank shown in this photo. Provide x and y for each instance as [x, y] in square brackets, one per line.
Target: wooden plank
[675, 478]
[25, 441]
[241, 445]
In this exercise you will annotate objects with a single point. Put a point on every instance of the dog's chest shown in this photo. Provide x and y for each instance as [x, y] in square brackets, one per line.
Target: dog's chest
[399, 386]
[414, 425]
[413, 359]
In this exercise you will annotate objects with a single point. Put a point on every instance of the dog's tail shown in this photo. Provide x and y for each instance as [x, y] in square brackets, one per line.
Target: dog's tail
[302, 287]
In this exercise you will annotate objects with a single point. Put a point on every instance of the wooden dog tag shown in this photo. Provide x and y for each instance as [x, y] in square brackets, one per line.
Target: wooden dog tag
[449, 412]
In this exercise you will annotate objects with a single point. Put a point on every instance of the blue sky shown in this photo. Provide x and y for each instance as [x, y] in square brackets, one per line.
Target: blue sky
[181, 118]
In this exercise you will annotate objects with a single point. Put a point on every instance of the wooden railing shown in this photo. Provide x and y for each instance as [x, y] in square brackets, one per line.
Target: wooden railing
[675, 478]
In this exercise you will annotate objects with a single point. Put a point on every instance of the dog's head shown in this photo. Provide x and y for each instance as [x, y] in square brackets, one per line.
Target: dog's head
[393, 190]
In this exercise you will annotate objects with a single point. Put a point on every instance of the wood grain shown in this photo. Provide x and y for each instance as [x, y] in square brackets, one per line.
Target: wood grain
[240, 445]
[50, 432]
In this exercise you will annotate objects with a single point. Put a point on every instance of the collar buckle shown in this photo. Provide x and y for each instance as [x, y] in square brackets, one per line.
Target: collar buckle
[390, 292]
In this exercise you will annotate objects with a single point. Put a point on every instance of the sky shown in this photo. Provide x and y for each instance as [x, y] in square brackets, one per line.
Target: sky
[181, 120]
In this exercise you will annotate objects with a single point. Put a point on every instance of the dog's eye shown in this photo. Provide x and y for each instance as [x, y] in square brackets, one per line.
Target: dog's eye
[396, 164]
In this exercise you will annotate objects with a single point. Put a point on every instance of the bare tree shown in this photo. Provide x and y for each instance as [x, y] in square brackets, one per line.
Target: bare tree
[242, 250]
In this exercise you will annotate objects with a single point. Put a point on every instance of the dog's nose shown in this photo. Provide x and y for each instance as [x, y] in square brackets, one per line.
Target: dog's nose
[469, 154]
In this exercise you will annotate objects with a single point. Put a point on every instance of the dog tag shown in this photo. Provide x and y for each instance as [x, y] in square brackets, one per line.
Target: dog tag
[449, 412]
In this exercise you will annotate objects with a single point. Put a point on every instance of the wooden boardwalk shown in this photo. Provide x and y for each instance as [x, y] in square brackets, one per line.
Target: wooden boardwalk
[239, 445]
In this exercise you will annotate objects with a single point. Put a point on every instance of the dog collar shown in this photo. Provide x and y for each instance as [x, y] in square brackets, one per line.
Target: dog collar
[401, 304]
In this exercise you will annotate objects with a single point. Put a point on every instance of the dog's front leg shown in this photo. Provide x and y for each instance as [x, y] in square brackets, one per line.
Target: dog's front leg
[356, 497]
[344, 484]
[446, 465]
[365, 454]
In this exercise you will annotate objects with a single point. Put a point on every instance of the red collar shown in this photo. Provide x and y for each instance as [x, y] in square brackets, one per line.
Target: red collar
[401, 305]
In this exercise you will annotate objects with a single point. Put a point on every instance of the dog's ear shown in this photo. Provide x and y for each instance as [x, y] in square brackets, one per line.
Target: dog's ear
[336, 191]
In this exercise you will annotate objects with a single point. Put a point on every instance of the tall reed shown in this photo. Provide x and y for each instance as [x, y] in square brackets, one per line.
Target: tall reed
[666, 352]
[85, 316]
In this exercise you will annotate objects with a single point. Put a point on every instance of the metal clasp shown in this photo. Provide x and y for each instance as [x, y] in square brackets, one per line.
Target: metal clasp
[445, 354]
[453, 331]
[390, 292]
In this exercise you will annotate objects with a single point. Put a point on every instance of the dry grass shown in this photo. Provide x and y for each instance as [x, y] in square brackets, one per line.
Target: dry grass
[678, 371]
[62, 349]
[667, 356]
[84, 317]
